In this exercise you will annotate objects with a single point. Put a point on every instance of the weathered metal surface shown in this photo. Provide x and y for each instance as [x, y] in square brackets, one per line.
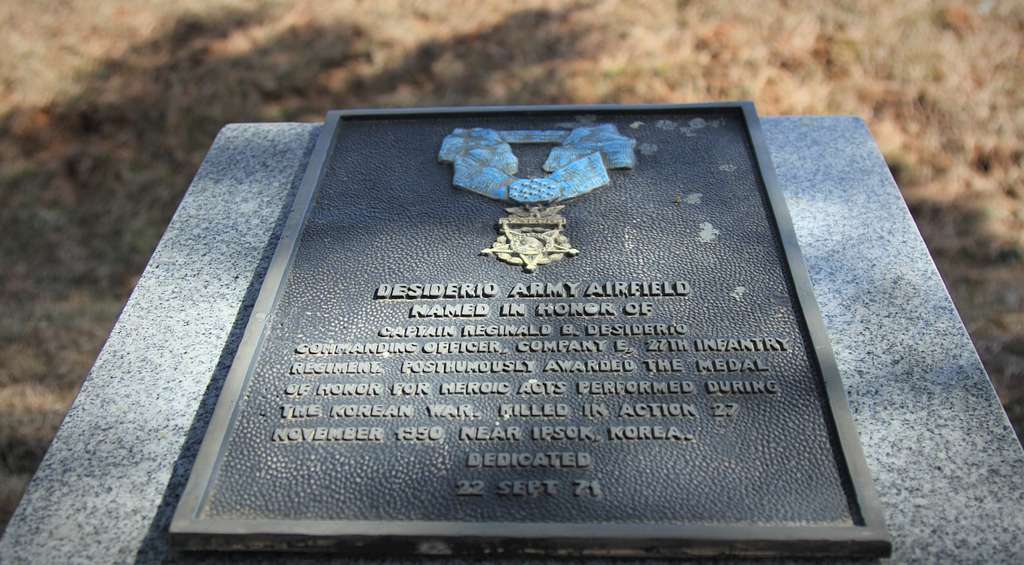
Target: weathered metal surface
[666, 388]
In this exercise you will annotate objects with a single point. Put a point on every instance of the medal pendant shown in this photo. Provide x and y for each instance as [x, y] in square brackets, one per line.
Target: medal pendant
[531, 236]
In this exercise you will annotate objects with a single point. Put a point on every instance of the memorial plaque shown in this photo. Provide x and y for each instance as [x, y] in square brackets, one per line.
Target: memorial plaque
[536, 330]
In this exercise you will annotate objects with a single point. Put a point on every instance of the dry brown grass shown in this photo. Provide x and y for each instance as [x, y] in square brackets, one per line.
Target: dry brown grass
[106, 110]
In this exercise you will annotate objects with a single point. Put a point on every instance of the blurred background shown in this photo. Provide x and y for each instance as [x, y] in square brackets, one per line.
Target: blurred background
[107, 108]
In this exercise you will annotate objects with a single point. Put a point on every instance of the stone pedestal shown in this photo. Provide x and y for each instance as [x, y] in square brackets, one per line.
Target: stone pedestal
[946, 464]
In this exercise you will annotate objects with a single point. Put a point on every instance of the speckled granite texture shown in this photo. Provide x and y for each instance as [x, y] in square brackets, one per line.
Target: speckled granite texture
[945, 462]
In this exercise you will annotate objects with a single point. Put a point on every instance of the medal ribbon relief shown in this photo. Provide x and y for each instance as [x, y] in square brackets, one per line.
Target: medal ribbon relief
[532, 234]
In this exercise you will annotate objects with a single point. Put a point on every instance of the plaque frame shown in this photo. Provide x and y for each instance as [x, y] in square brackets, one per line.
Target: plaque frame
[865, 540]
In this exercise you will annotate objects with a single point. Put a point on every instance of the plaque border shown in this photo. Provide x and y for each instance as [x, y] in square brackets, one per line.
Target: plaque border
[867, 539]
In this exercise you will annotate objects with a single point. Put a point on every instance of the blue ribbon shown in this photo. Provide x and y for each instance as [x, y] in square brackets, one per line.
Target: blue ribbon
[484, 162]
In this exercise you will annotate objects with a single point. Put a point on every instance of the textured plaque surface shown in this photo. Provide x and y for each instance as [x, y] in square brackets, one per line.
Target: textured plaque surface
[666, 388]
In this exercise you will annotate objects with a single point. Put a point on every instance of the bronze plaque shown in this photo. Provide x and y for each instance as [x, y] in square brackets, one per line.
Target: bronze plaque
[556, 330]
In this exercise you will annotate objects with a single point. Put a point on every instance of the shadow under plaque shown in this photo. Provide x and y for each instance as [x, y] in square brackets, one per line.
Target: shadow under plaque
[562, 329]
